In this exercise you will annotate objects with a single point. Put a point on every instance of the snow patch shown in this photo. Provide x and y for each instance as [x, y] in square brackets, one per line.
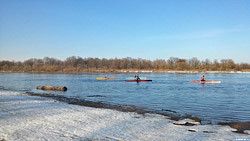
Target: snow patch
[24, 117]
[247, 131]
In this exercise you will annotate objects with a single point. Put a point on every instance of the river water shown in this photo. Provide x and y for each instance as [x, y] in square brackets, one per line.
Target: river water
[213, 103]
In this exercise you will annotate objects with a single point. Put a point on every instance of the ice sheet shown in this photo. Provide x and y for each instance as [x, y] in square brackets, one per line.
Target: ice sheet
[25, 117]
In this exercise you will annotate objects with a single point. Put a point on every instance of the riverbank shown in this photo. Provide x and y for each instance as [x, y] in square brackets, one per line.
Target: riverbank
[129, 71]
[25, 117]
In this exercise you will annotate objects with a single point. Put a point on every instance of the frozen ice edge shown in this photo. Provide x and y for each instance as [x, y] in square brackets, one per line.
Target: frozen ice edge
[25, 117]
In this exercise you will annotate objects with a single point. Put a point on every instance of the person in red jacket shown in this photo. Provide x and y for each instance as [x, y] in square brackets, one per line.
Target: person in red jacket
[203, 78]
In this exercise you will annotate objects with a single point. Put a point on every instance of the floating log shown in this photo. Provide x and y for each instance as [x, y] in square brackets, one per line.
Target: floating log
[51, 88]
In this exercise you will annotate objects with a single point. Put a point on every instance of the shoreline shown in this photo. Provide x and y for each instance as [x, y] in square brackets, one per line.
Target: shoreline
[25, 117]
[240, 127]
[173, 115]
[134, 71]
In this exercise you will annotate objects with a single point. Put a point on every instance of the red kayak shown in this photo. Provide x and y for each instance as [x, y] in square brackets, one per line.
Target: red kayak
[205, 81]
[142, 80]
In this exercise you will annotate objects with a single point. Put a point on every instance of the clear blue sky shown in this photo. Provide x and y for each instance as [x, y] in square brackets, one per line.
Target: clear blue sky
[148, 29]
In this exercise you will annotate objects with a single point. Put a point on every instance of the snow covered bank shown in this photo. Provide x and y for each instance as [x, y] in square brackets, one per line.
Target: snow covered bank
[25, 117]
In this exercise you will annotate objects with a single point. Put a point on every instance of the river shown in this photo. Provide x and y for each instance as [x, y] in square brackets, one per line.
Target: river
[225, 102]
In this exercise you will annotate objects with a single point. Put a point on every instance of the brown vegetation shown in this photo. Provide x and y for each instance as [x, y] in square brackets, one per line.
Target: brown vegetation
[78, 64]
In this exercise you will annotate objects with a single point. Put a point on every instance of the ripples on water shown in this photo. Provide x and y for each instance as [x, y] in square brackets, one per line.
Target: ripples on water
[228, 101]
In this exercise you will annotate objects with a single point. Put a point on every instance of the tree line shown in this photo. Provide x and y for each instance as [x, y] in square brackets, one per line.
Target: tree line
[78, 64]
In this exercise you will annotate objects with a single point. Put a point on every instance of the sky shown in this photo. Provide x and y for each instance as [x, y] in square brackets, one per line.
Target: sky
[147, 29]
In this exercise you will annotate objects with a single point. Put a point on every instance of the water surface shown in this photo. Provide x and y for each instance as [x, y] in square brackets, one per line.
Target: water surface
[227, 101]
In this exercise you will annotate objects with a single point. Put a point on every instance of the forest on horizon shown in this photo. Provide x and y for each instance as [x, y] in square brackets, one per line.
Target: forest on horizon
[78, 64]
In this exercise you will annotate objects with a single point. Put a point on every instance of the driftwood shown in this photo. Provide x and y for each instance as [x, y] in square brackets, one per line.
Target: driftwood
[51, 88]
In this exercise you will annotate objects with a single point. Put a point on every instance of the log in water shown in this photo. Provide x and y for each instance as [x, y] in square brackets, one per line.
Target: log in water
[51, 88]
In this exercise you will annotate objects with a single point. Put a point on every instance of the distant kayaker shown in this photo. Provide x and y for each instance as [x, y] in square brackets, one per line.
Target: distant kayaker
[138, 78]
[203, 78]
[106, 76]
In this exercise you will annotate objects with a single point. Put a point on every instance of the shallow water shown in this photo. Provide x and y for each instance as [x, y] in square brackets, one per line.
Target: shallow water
[227, 101]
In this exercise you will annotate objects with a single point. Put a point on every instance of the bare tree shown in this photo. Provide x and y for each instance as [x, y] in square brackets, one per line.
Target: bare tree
[78, 64]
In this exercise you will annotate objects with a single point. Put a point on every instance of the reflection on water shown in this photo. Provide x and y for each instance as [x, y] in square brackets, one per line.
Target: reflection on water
[228, 101]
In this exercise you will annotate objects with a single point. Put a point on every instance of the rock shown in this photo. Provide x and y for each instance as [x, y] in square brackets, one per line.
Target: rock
[96, 96]
[187, 123]
[196, 119]
[240, 126]
[247, 132]
[193, 130]
[51, 88]
[234, 130]
[180, 123]
[207, 131]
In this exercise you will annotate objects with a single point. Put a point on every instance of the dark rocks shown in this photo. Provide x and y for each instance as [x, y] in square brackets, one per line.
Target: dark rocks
[240, 126]
[96, 96]
[193, 130]
[196, 119]
[207, 131]
[186, 123]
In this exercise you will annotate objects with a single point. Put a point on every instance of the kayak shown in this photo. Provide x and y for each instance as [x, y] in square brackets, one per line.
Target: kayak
[198, 81]
[135, 78]
[107, 78]
[142, 80]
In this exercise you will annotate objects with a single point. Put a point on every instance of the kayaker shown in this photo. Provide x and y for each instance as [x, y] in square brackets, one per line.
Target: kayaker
[106, 76]
[203, 78]
[138, 78]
